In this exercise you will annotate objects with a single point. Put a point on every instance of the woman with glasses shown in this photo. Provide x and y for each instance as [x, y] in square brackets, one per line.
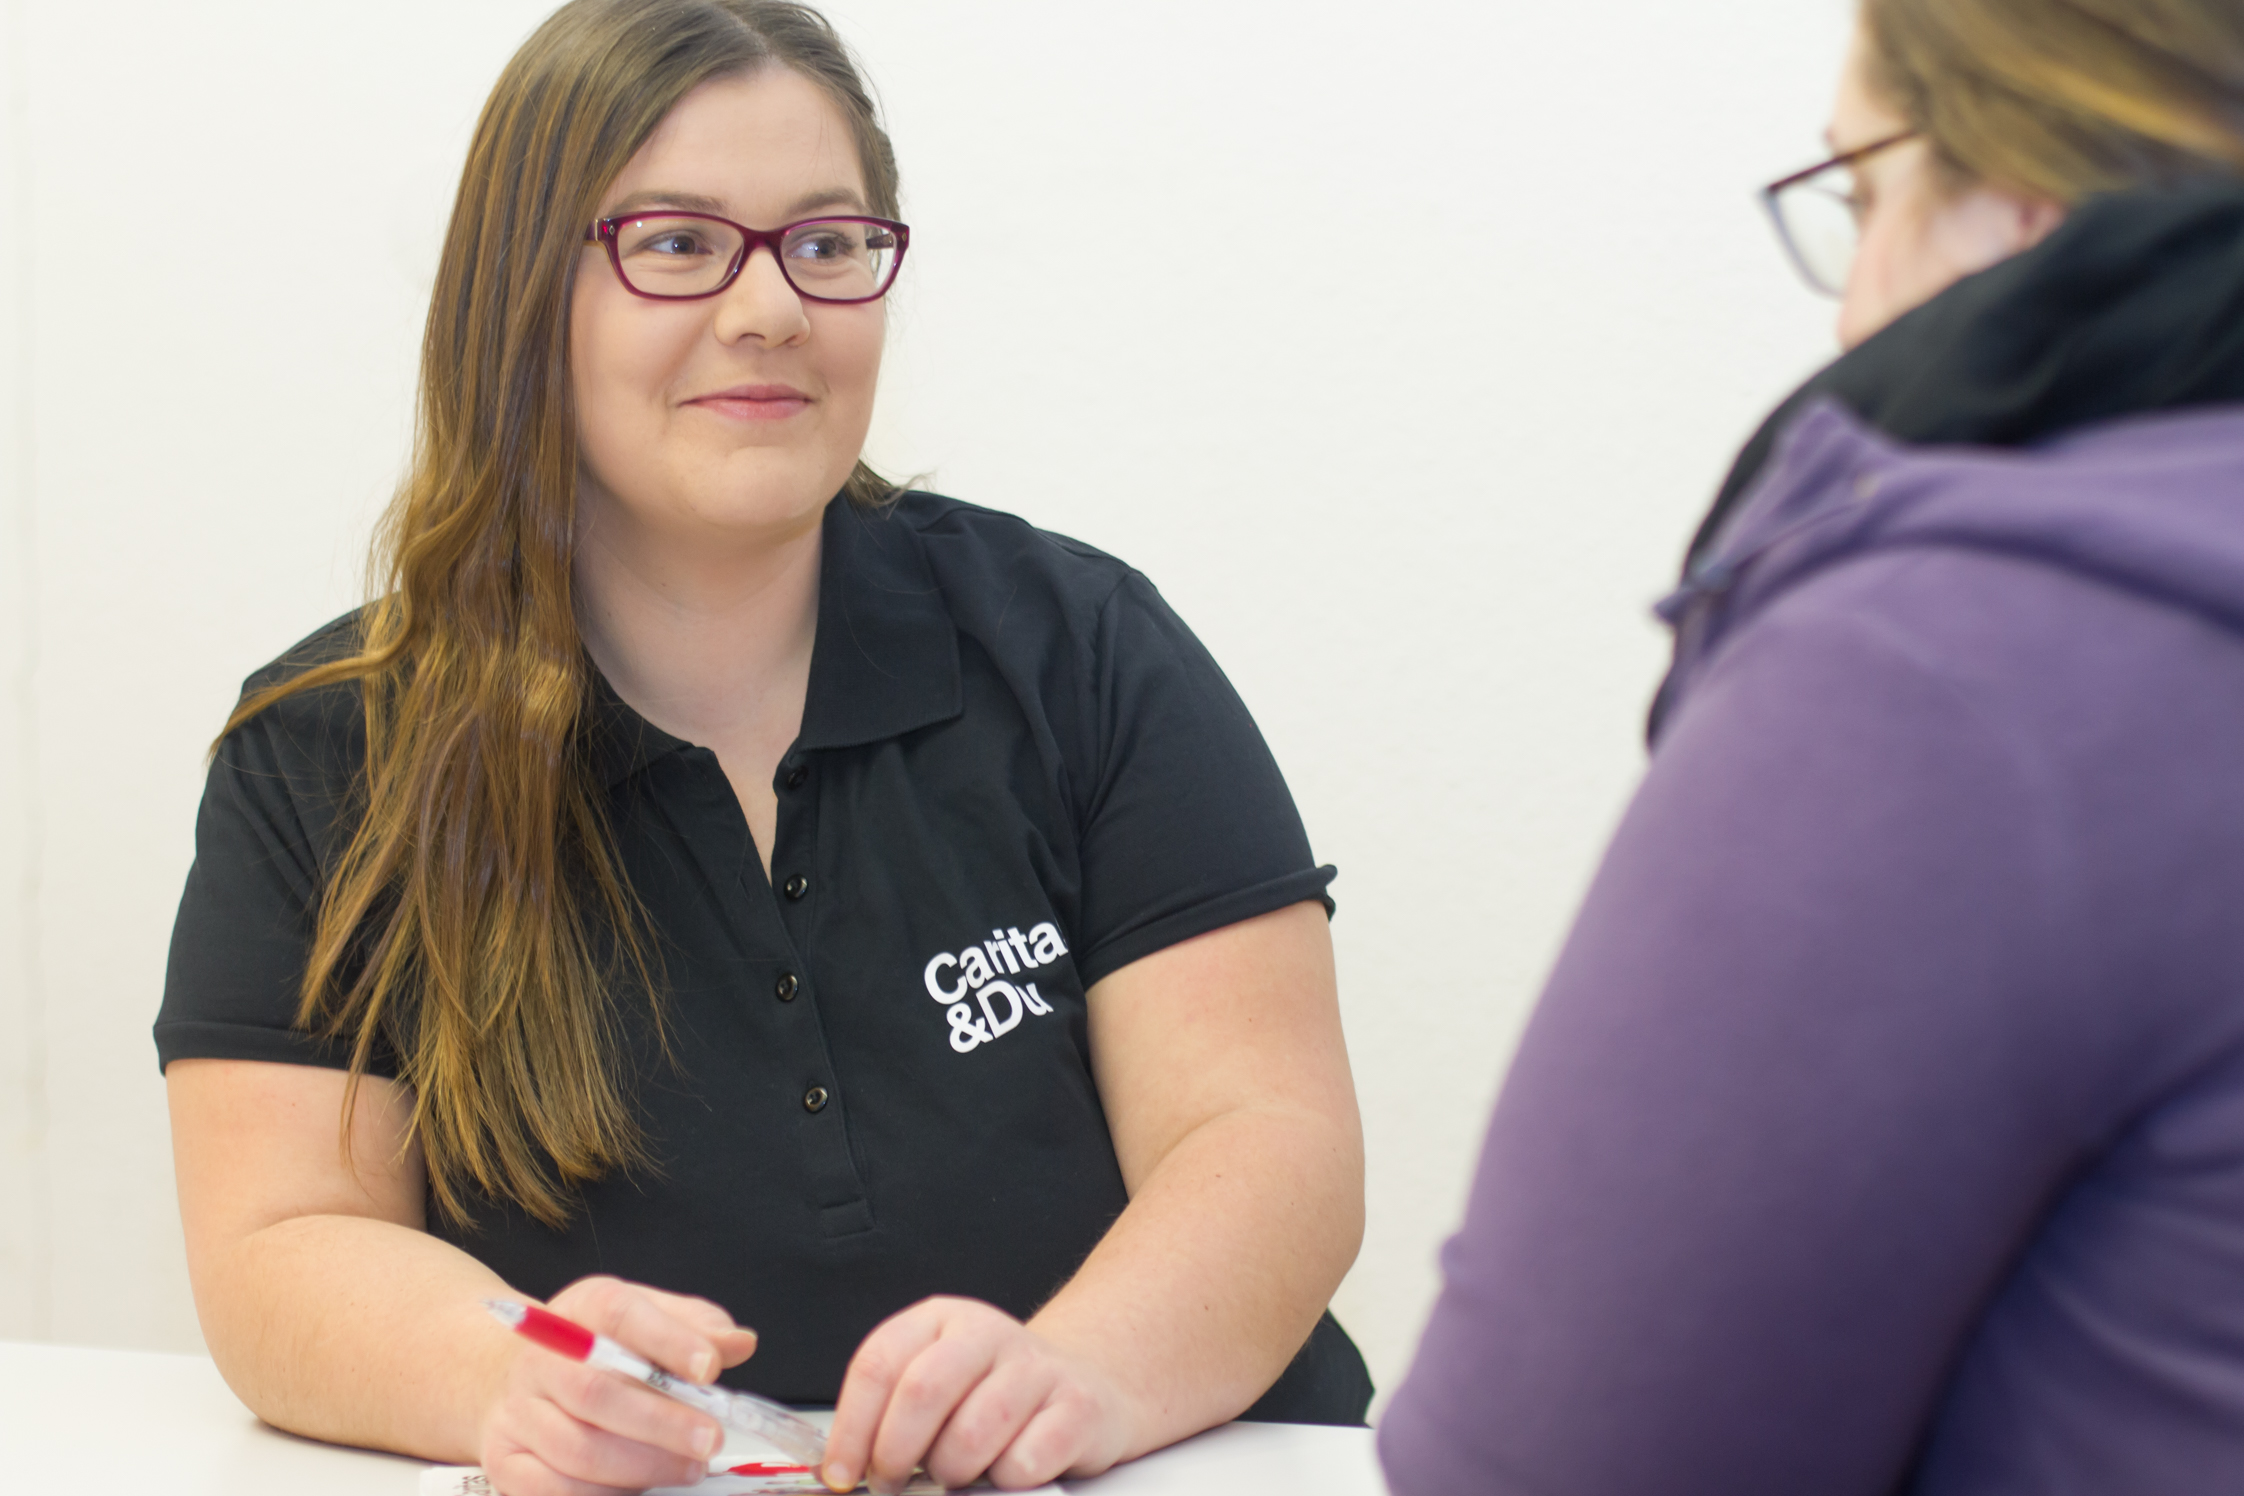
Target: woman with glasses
[709, 888]
[1882, 1125]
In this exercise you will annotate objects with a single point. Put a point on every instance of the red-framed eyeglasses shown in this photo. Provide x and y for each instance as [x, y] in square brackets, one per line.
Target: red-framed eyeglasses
[671, 256]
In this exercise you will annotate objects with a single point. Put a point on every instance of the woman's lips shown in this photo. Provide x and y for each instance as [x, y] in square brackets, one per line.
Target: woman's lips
[755, 402]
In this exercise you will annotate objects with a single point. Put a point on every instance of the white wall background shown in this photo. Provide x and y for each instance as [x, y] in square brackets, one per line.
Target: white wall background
[1400, 344]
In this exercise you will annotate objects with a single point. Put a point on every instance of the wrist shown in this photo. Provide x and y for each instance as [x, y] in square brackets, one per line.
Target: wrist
[1126, 1415]
[493, 1352]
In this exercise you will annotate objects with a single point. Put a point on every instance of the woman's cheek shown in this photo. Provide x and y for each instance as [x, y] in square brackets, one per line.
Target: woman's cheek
[1859, 309]
[862, 351]
[604, 436]
[594, 380]
[853, 373]
[1877, 288]
[620, 385]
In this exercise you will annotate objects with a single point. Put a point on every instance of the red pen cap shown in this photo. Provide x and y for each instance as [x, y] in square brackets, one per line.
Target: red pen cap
[555, 1333]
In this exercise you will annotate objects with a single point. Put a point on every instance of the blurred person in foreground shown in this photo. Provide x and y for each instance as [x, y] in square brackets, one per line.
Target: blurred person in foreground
[1882, 1125]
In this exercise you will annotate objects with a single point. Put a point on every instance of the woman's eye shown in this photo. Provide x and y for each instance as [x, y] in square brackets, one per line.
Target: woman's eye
[673, 243]
[828, 246]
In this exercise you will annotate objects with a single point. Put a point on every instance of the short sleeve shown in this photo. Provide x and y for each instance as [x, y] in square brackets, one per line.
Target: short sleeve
[1189, 825]
[239, 947]
[1771, 1138]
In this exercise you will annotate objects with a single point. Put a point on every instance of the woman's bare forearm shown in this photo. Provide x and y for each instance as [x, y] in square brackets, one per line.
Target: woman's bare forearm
[357, 1331]
[1209, 1282]
[327, 1307]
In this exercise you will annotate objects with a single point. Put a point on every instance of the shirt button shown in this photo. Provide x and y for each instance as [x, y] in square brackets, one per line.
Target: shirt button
[786, 988]
[814, 1099]
[796, 776]
[797, 886]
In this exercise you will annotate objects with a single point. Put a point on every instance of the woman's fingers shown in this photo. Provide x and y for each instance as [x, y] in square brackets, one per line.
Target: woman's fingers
[611, 1405]
[963, 1388]
[658, 1326]
[991, 1416]
[1060, 1440]
[535, 1447]
[562, 1428]
[929, 1389]
[600, 1456]
[520, 1473]
[869, 1386]
[735, 1343]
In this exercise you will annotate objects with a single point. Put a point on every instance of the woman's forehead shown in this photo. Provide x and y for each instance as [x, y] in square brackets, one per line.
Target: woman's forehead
[1858, 114]
[747, 147]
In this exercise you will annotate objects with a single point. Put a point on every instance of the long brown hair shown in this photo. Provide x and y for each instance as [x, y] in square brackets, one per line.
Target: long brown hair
[2059, 99]
[478, 922]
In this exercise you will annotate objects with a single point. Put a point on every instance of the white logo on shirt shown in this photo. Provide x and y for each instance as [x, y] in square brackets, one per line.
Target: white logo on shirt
[979, 971]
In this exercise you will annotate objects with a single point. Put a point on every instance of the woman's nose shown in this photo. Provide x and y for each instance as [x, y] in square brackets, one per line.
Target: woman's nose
[760, 304]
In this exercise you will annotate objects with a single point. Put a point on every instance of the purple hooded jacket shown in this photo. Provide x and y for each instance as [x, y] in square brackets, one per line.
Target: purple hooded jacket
[1882, 1125]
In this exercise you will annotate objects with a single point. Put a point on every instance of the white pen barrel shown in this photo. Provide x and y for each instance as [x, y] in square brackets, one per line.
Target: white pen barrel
[738, 1410]
[609, 1356]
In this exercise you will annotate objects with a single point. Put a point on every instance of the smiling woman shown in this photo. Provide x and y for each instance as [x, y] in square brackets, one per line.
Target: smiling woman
[667, 426]
[588, 880]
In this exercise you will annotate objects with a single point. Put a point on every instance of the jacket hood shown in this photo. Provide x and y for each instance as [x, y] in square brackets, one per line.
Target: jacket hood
[2153, 505]
[2077, 403]
[2135, 304]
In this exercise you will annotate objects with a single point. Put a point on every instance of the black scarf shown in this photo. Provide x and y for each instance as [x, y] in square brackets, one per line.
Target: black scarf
[2134, 304]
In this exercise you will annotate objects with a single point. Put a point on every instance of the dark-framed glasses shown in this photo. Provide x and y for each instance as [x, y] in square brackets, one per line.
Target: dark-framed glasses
[1818, 214]
[671, 256]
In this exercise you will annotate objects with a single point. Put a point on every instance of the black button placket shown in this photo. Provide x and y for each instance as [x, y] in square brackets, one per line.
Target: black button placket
[842, 1207]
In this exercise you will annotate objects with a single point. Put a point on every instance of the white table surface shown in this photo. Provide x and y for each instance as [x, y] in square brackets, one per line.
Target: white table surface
[75, 1420]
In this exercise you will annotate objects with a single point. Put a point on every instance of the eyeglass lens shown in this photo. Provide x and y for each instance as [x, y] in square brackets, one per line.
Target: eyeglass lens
[828, 259]
[1821, 226]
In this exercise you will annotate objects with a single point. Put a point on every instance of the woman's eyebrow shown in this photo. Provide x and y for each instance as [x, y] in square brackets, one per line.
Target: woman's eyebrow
[694, 202]
[832, 197]
[686, 202]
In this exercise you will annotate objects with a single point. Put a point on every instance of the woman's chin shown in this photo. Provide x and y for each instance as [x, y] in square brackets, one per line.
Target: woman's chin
[760, 503]
[757, 516]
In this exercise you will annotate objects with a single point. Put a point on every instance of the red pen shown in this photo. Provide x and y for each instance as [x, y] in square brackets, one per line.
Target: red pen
[800, 1438]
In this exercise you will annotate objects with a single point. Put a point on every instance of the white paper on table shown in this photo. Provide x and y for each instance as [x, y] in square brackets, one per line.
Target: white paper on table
[745, 1466]
[751, 1478]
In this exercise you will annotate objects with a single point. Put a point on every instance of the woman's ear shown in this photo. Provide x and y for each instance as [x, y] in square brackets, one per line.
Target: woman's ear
[2038, 218]
[1984, 225]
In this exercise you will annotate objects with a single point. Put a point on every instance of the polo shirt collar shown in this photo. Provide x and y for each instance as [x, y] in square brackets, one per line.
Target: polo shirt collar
[885, 661]
[621, 741]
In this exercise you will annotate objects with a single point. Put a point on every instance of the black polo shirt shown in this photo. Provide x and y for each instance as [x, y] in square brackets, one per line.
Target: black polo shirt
[1018, 772]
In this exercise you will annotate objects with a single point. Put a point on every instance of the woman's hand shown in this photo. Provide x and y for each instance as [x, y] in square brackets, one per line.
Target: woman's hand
[561, 1428]
[965, 1390]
